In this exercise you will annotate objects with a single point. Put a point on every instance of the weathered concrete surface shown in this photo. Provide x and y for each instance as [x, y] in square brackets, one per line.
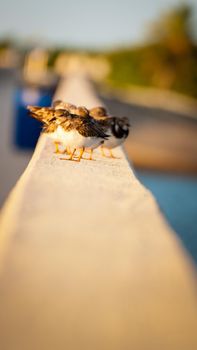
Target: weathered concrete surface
[87, 260]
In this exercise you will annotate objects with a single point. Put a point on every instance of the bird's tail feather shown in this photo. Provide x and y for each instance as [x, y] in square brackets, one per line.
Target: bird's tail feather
[43, 114]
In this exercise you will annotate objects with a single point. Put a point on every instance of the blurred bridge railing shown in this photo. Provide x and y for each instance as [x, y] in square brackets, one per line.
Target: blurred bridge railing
[87, 260]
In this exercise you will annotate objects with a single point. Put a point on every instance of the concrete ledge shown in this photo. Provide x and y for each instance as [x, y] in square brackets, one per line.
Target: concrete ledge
[88, 261]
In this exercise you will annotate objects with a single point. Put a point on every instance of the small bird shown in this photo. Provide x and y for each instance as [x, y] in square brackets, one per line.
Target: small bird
[50, 120]
[75, 129]
[97, 112]
[82, 112]
[116, 127]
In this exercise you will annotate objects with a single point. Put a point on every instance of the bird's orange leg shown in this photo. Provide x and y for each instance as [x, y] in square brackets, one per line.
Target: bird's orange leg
[67, 150]
[91, 154]
[80, 154]
[90, 151]
[102, 151]
[111, 154]
[56, 143]
[71, 155]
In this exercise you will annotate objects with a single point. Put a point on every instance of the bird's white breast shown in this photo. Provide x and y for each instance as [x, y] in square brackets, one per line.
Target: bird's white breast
[72, 138]
[112, 141]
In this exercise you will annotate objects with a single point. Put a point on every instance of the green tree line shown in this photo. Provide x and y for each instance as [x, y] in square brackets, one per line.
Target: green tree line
[167, 61]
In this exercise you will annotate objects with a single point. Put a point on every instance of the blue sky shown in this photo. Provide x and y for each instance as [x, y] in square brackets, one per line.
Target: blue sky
[88, 23]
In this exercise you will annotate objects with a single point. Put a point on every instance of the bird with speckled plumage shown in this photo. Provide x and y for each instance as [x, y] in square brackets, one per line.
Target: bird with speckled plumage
[72, 126]
[116, 127]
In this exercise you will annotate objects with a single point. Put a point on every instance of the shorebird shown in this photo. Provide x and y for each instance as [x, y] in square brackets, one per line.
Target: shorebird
[80, 111]
[116, 127]
[76, 130]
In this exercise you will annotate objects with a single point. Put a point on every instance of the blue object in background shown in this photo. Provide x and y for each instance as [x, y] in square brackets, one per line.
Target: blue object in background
[27, 129]
[177, 198]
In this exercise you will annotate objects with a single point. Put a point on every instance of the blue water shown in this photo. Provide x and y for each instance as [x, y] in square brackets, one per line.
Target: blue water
[177, 198]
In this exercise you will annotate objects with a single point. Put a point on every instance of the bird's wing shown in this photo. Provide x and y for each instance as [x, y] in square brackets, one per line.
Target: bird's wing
[88, 127]
[46, 114]
[68, 124]
[43, 114]
[49, 128]
[105, 122]
[56, 103]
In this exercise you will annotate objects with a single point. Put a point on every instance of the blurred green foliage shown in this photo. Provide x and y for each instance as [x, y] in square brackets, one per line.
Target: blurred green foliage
[167, 61]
